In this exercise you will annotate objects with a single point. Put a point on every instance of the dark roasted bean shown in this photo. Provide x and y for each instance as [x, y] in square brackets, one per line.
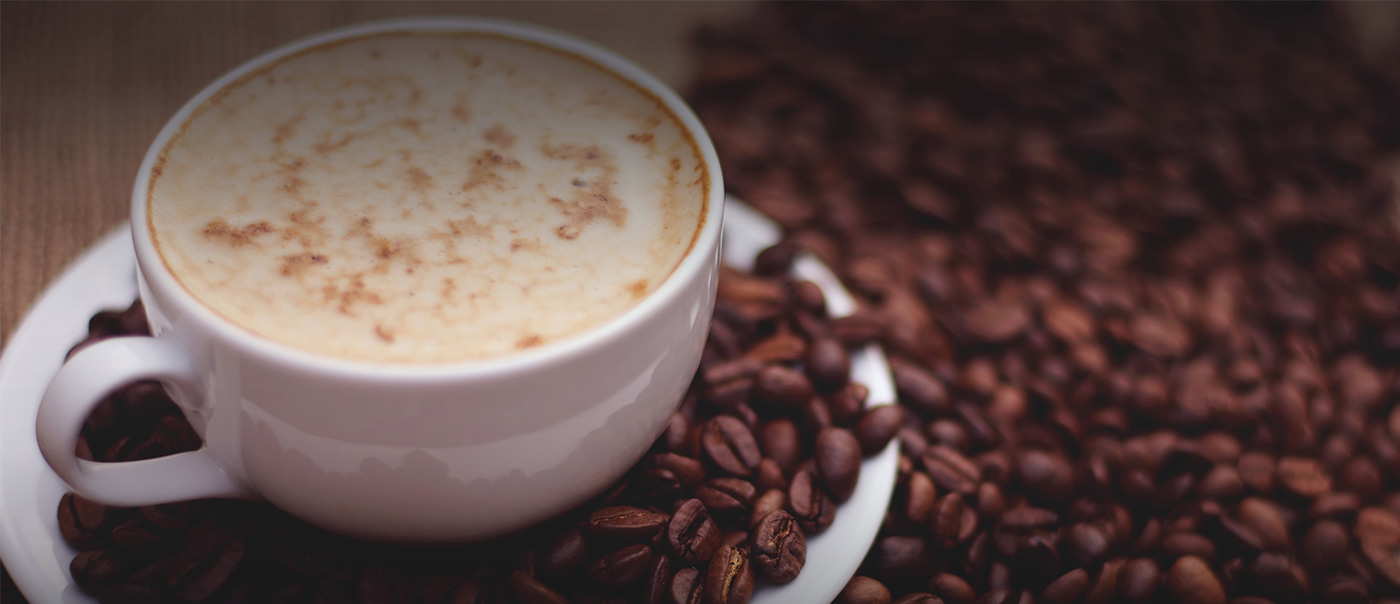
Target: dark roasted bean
[877, 426]
[863, 590]
[568, 552]
[691, 533]
[779, 547]
[730, 578]
[529, 590]
[625, 523]
[730, 445]
[809, 503]
[205, 564]
[1191, 580]
[80, 519]
[828, 364]
[838, 459]
[622, 567]
[951, 470]
[727, 497]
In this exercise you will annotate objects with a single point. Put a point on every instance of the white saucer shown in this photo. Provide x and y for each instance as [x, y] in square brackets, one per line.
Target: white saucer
[104, 277]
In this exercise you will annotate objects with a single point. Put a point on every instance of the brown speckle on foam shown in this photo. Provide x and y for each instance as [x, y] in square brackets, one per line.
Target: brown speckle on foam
[637, 288]
[529, 341]
[294, 264]
[499, 135]
[420, 180]
[348, 298]
[594, 200]
[293, 185]
[411, 124]
[486, 168]
[468, 226]
[326, 147]
[383, 334]
[645, 138]
[220, 230]
[459, 111]
[285, 130]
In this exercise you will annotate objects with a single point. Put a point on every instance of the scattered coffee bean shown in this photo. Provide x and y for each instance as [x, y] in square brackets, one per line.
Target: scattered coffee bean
[730, 578]
[779, 547]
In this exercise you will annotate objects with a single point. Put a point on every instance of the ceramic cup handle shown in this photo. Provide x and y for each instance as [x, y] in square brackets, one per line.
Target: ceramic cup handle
[84, 381]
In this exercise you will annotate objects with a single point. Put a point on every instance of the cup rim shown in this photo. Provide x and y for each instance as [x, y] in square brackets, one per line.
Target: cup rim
[703, 250]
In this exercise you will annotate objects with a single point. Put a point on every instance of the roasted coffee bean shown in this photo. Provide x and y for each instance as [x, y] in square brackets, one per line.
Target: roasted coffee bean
[730, 578]
[1324, 547]
[847, 404]
[137, 535]
[952, 588]
[951, 470]
[1087, 542]
[809, 503]
[529, 590]
[622, 567]
[568, 552]
[625, 523]
[80, 520]
[1045, 476]
[899, 558]
[1191, 580]
[828, 364]
[1303, 476]
[1176, 545]
[776, 259]
[780, 440]
[1137, 580]
[769, 476]
[918, 598]
[920, 389]
[446, 589]
[877, 426]
[656, 586]
[838, 458]
[687, 586]
[1264, 519]
[782, 388]
[863, 590]
[1278, 575]
[92, 569]
[779, 547]
[727, 497]
[1067, 589]
[208, 559]
[769, 501]
[379, 585]
[692, 535]
[730, 445]
[945, 521]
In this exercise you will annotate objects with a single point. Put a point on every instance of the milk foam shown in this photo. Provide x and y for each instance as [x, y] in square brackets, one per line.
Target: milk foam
[426, 198]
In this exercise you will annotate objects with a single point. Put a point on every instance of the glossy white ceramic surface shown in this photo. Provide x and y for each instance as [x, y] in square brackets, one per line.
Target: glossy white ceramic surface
[405, 453]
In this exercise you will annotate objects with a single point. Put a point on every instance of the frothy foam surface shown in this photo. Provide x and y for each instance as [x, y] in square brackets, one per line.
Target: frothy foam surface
[426, 198]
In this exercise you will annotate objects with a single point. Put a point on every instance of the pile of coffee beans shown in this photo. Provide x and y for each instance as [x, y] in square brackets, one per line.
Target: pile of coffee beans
[1137, 267]
[766, 445]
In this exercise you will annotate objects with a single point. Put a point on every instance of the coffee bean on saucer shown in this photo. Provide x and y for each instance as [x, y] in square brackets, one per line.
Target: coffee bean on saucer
[779, 547]
[692, 535]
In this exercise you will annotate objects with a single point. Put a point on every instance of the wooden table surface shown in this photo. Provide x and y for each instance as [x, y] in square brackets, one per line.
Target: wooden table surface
[85, 87]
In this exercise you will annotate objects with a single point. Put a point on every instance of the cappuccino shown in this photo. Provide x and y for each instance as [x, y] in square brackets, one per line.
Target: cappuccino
[426, 197]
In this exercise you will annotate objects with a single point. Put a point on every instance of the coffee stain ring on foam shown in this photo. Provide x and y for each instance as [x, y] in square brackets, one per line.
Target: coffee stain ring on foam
[529, 360]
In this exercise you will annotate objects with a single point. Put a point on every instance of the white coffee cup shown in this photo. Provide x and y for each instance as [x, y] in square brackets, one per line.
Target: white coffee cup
[423, 453]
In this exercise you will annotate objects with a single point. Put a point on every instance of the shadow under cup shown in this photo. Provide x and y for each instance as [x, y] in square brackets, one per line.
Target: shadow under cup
[418, 453]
